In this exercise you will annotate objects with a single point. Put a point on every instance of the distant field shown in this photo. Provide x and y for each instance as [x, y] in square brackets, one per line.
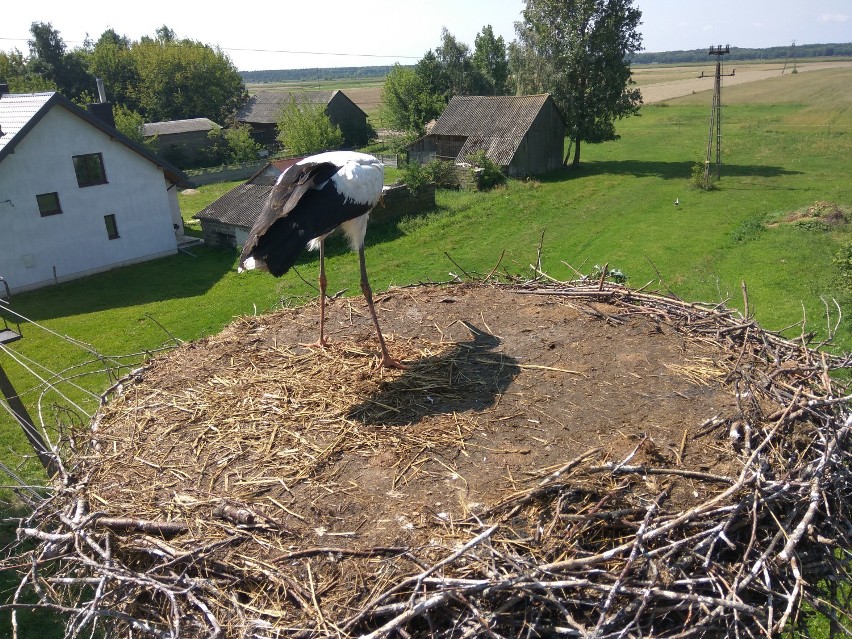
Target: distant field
[657, 82]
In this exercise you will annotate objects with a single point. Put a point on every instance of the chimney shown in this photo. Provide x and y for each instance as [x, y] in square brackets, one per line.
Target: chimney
[102, 110]
[4, 88]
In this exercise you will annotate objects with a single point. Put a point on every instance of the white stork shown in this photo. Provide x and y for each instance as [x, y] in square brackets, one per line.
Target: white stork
[311, 199]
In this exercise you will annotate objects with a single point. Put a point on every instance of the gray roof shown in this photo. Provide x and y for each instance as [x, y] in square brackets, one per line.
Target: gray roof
[178, 126]
[494, 124]
[264, 107]
[20, 112]
[242, 205]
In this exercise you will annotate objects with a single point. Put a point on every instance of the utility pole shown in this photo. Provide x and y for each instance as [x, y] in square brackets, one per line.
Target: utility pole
[716, 115]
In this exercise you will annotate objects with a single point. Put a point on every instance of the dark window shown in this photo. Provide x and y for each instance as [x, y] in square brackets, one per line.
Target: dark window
[111, 226]
[48, 204]
[89, 169]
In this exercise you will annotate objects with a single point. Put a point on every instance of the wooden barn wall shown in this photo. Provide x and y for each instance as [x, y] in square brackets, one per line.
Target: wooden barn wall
[541, 149]
[448, 147]
[192, 144]
[351, 120]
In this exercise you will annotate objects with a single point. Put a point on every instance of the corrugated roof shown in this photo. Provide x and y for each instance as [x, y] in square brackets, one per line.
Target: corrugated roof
[20, 112]
[17, 111]
[494, 124]
[242, 205]
[264, 107]
[178, 126]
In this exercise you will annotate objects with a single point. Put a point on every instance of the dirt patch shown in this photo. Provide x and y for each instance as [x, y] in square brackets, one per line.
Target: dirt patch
[537, 432]
[825, 213]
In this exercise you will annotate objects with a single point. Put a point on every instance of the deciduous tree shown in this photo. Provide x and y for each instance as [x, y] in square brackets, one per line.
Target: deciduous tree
[579, 51]
[489, 58]
[306, 128]
[408, 101]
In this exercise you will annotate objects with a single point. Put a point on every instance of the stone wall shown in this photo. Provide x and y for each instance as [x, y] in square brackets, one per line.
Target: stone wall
[400, 201]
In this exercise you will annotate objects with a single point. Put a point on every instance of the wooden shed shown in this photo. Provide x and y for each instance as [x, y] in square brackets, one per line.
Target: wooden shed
[183, 142]
[263, 109]
[524, 134]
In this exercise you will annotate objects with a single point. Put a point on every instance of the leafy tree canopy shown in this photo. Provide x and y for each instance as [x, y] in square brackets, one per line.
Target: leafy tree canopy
[161, 78]
[306, 128]
[413, 96]
[409, 101]
[579, 52]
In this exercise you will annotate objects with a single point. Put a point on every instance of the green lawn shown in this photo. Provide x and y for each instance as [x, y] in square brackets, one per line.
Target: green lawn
[618, 208]
[786, 145]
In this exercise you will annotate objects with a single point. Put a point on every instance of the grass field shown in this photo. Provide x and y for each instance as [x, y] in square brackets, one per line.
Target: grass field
[787, 144]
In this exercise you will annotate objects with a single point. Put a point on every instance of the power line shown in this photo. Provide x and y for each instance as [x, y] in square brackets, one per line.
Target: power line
[352, 55]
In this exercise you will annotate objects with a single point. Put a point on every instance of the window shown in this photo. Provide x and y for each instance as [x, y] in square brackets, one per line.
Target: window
[111, 226]
[89, 169]
[48, 204]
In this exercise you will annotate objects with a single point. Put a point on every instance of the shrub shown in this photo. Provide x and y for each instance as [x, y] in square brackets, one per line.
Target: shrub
[492, 175]
[698, 180]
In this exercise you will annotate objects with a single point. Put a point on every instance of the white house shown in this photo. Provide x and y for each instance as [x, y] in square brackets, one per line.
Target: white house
[76, 196]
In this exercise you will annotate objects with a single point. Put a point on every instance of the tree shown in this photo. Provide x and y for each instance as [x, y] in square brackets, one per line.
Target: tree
[579, 51]
[461, 75]
[112, 61]
[181, 79]
[50, 61]
[489, 58]
[408, 102]
[306, 128]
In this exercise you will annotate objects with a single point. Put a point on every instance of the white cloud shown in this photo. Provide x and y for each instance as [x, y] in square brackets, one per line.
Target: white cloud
[832, 17]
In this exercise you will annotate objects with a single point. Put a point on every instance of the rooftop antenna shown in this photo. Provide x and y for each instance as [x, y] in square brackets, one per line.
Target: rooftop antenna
[716, 115]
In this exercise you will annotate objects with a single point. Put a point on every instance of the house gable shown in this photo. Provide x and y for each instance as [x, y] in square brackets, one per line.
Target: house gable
[124, 213]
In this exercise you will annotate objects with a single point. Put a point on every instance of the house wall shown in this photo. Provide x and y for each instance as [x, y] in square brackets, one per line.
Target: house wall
[36, 251]
[540, 150]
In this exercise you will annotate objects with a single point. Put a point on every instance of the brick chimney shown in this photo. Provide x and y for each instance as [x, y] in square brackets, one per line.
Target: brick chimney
[102, 110]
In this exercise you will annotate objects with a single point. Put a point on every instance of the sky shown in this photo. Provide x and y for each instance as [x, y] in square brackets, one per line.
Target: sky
[298, 35]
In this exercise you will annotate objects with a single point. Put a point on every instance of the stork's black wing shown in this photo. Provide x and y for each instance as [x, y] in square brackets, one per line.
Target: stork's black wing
[303, 205]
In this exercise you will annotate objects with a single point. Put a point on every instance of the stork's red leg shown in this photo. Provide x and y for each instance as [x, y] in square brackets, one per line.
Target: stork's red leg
[387, 360]
[322, 342]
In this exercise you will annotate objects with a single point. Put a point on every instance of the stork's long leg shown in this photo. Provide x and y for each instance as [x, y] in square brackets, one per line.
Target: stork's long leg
[322, 342]
[387, 360]
[322, 283]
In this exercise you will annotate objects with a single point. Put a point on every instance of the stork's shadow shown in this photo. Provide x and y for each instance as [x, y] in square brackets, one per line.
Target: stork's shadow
[467, 376]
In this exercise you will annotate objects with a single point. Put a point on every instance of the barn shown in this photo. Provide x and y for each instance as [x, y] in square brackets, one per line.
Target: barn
[523, 134]
[262, 110]
[181, 142]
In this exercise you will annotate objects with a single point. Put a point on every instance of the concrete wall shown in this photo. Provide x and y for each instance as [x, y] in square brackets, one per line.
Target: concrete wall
[37, 251]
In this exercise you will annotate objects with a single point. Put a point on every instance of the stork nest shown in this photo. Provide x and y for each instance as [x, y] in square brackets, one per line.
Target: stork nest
[572, 459]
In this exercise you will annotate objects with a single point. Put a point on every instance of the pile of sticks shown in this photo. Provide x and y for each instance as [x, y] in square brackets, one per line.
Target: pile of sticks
[578, 552]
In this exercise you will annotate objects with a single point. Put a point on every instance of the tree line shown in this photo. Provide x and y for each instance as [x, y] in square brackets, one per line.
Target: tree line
[798, 51]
